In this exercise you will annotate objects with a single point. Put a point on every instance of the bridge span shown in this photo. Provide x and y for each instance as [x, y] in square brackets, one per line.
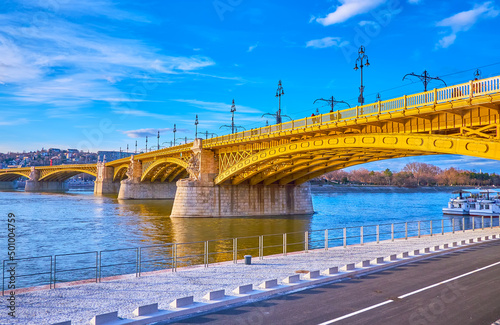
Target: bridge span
[265, 171]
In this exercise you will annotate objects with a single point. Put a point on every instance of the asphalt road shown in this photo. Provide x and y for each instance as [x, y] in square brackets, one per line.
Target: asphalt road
[462, 287]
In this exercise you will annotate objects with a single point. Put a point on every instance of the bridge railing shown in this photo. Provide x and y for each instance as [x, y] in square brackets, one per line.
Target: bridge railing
[98, 266]
[432, 97]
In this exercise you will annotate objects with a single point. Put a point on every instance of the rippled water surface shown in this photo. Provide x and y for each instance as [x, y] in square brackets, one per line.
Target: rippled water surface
[78, 221]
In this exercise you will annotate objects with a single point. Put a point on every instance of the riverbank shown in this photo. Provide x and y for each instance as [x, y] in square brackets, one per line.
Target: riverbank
[80, 303]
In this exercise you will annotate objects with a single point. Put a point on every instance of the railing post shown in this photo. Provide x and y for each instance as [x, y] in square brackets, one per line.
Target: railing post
[435, 96]
[378, 234]
[306, 241]
[361, 235]
[50, 280]
[55, 270]
[482, 222]
[379, 107]
[405, 102]
[473, 223]
[453, 225]
[284, 244]
[419, 229]
[235, 250]
[463, 224]
[406, 230]
[392, 231]
[326, 239]
[99, 258]
[491, 222]
[471, 89]
[431, 228]
[261, 247]
[442, 226]
[345, 237]
[357, 111]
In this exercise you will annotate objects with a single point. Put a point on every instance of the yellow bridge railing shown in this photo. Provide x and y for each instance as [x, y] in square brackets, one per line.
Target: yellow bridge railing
[433, 97]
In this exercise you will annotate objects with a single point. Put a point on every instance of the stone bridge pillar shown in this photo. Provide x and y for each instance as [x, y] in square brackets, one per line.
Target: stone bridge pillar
[198, 196]
[33, 184]
[104, 181]
[132, 187]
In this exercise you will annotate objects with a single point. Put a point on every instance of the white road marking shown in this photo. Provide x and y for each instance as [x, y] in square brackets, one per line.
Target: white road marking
[407, 295]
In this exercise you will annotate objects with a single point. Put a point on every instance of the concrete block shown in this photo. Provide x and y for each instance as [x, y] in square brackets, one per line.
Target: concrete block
[332, 270]
[393, 257]
[244, 289]
[471, 241]
[455, 244]
[292, 279]
[146, 310]
[269, 284]
[416, 252]
[365, 263]
[312, 275]
[445, 246]
[182, 302]
[350, 267]
[427, 250]
[104, 318]
[215, 295]
[63, 323]
[380, 260]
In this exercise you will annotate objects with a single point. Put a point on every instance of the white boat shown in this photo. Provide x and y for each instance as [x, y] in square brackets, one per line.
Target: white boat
[487, 205]
[460, 205]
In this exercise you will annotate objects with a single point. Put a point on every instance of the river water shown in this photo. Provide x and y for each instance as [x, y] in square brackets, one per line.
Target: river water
[78, 221]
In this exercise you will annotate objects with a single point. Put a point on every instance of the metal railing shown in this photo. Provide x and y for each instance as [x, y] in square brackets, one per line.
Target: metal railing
[96, 266]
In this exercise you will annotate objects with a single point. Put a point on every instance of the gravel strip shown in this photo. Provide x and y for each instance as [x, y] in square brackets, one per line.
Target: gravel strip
[80, 303]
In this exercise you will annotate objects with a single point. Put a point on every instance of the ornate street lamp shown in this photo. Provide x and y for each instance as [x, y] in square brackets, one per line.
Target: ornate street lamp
[363, 61]
[332, 102]
[174, 130]
[158, 138]
[234, 128]
[279, 92]
[196, 126]
[425, 78]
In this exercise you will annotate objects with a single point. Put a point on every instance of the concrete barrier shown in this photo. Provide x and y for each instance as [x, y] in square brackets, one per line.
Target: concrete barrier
[380, 260]
[215, 295]
[292, 279]
[393, 257]
[269, 284]
[182, 302]
[312, 275]
[332, 270]
[244, 289]
[349, 267]
[146, 310]
[104, 318]
[416, 252]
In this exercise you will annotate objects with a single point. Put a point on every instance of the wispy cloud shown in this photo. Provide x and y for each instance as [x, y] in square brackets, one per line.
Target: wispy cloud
[252, 47]
[218, 107]
[464, 20]
[141, 113]
[326, 42]
[414, 2]
[60, 63]
[348, 9]
[142, 133]
[17, 121]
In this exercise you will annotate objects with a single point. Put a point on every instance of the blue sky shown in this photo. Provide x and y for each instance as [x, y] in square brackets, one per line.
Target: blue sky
[101, 74]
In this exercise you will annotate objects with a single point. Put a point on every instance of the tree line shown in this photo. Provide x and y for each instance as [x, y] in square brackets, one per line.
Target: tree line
[412, 175]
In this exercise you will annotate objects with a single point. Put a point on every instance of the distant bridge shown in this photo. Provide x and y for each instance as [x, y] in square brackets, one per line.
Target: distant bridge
[268, 165]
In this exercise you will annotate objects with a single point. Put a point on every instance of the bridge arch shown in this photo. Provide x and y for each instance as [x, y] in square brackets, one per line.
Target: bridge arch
[60, 175]
[120, 172]
[11, 176]
[300, 161]
[166, 169]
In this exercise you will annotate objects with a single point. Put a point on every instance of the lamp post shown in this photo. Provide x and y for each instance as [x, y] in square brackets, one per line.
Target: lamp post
[234, 128]
[146, 143]
[211, 134]
[363, 61]
[196, 126]
[279, 92]
[158, 138]
[175, 130]
[332, 102]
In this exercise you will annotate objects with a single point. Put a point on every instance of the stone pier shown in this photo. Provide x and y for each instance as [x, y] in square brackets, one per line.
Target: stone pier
[196, 199]
[104, 182]
[34, 185]
[132, 187]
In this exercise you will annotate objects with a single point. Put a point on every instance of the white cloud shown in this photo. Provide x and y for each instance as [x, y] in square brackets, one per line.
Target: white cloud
[17, 121]
[464, 20]
[252, 47]
[326, 42]
[348, 9]
[367, 23]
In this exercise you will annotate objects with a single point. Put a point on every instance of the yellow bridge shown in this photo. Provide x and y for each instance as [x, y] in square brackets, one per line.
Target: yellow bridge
[461, 119]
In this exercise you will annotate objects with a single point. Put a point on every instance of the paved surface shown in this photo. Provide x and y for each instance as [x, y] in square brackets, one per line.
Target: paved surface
[80, 303]
[469, 299]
